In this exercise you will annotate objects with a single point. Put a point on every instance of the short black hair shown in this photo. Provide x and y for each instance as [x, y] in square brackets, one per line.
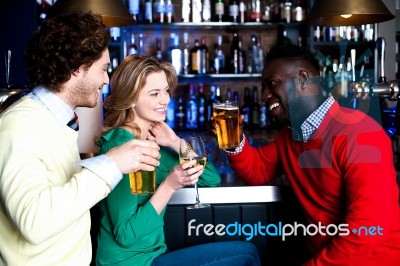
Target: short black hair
[293, 52]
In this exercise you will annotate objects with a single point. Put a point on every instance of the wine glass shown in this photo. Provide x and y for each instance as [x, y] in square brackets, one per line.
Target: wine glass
[192, 148]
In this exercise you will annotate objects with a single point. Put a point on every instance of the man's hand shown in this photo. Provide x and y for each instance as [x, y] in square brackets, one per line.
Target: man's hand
[136, 155]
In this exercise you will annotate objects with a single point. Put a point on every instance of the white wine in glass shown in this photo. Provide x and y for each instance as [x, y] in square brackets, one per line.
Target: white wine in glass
[192, 148]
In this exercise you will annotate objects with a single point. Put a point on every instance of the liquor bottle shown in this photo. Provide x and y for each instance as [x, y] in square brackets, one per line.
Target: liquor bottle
[255, 109]
[180, 114]
[237, 55]
[206, 13]
[191, 109]
[218, 97]
[264, 115]
[210, 102]
[115, 33]
[298, 11]
[229, 96]
[219, 57]
[219, 10]
[132, 48]
[186, 54]
[159, 11]
[236, 97]
[246, 108]
[134, 9]
[158, 52]
[176, 54]
[233, 10]
[195, 55]
[196, 11]
[106, 90]
[255, 12]
[242, 12]
[43, 10]
[204, 57]
[148, 11]
[186, 11]
[169, 11]
[170, 117]
[141, 44]
[201, 102]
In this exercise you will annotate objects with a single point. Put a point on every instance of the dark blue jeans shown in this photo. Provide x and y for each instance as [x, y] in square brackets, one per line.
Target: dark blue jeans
[230, 253]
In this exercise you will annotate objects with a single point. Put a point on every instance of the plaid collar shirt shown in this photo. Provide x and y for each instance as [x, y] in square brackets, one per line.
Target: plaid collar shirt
[312, 122]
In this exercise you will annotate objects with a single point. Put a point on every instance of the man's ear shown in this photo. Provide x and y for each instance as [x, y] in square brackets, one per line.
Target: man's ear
[303, 78]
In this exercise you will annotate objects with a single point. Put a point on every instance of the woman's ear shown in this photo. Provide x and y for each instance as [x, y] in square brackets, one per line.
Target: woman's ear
[303, 78]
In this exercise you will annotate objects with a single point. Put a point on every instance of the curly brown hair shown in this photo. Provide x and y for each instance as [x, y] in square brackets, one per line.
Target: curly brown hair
[62, 45]
[126, 83]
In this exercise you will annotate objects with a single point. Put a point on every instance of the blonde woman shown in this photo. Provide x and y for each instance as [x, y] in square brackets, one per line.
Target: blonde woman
[131, 231]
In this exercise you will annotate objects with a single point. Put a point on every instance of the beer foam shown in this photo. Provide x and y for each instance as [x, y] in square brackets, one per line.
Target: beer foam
[226, 107]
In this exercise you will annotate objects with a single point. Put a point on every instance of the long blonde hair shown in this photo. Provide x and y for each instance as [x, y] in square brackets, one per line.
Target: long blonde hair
[126, 83]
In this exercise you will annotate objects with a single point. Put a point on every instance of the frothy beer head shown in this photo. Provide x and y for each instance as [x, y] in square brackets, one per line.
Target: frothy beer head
[226, 116]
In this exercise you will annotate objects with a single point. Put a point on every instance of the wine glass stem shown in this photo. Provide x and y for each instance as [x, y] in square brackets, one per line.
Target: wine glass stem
[197, 193]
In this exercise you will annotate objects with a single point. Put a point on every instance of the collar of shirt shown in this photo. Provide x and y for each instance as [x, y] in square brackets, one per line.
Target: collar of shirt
[314, 120]
[57, 107]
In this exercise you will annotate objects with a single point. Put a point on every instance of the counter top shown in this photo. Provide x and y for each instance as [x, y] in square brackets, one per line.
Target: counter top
[238, 194]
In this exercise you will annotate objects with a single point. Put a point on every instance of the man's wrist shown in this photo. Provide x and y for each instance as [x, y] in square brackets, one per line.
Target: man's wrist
[238, 149]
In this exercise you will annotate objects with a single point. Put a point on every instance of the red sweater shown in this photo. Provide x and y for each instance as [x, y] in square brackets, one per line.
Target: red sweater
[343, 175]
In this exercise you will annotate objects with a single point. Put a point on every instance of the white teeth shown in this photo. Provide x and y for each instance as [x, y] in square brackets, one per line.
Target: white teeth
[272, 106]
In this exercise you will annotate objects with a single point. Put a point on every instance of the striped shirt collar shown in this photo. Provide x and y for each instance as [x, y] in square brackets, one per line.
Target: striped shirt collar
[312, 122]
[57, 107]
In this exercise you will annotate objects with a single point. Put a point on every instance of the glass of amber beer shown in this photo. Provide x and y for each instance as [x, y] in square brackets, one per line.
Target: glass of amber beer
[142, 182]
[226, 116]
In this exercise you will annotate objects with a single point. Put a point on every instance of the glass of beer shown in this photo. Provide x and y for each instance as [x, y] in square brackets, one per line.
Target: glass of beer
[142, 182]
[226, 116]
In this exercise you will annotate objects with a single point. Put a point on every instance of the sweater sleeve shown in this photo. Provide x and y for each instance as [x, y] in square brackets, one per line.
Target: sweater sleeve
[256, 166]
[372, 202]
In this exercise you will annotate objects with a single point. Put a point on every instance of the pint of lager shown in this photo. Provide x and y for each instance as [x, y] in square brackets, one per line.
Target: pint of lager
[142, 182]
[226, 117]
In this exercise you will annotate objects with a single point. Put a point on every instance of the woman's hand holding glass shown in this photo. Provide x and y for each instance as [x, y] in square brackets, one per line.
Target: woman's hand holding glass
[185, 174]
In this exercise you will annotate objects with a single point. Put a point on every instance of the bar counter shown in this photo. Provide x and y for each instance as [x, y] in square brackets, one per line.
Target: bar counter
[231, 190]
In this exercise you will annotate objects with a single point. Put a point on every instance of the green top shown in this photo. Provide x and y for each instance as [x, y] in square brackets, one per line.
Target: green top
[131, 231]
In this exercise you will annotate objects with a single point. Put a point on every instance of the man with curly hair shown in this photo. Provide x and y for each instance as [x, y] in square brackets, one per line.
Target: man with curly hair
[46, 191]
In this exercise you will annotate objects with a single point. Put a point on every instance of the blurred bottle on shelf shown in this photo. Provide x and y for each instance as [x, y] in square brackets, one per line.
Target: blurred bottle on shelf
[191, 109]
[142, 50]
[229, 96]
[148, 11]
[219, 11]
[115, 33]
[255, 109]
[201, 103]
[134, 10]
[175, 53]
[255, 12]
[204, 57]
[132, 47]
[218, 97]
[186, 11]
[246, 108]
[195, 55]
[169, 11]
[158, 51]
[170, 117]
[242, 12]
[233, 11]
[237, 55]
[186, 54]
[159, 11]
[219, 57]
[206, 12]
[196, 11]
[180, 113]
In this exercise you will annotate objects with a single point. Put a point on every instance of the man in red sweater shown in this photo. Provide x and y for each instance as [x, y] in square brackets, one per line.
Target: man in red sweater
[338, 161]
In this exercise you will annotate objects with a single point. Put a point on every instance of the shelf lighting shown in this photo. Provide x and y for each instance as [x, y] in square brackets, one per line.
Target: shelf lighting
[114, 13]
[348, 13]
